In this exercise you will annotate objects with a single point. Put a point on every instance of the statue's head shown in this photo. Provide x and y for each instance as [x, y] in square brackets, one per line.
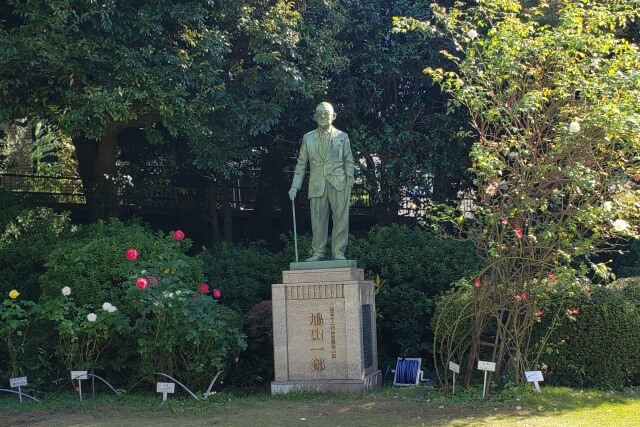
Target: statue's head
[324, 115]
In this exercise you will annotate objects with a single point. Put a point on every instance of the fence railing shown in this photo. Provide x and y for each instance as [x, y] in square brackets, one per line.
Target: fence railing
[56, 189]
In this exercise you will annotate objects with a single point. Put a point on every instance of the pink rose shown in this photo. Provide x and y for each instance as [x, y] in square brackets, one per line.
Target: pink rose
[203, 288]
[132, 254]
[518, 232]
[505, 221]
[518, 297]
[216, 293]
[574, 311]
[476, 282]
[178, 235]
[524, 296]
[538, 313]
[141, 283]
[587, 288]
[553, 277]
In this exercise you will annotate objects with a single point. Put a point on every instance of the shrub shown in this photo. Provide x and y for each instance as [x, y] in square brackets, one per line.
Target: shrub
[244, 273]
[598, 346]
[168, 319]
[412, 267]
[27, 236]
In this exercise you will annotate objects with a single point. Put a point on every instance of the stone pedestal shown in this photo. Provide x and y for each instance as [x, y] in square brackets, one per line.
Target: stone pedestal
[324, 329]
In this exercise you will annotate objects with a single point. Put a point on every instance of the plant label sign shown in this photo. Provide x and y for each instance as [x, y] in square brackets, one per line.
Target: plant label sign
[534, 377]
[486, 367]
[456, 370]
[79, 375]
[18, 382]
[165, 388]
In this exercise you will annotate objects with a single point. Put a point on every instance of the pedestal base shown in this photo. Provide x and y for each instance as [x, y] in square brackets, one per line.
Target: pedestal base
[328, 386]
[324, 329]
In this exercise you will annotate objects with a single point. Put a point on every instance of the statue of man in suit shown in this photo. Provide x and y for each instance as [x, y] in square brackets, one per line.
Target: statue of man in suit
[331, 175]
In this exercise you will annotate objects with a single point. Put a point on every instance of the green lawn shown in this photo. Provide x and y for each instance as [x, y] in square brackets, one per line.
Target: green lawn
[386, 406]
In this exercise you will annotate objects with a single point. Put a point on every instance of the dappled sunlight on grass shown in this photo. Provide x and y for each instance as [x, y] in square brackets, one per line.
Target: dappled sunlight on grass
[385, 406]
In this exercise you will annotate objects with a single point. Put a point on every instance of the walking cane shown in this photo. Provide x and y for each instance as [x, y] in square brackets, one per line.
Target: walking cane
[295, 231]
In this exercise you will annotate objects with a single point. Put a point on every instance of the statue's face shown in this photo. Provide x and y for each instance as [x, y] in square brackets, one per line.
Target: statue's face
[324, 115]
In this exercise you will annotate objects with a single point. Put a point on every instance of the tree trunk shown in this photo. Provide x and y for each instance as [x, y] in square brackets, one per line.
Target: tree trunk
[227, 211]
[212, 204]
[98, 172]
[270, 180]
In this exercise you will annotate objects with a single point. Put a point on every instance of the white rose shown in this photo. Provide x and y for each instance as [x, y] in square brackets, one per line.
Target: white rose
[620, 225]
[112, 309]
[607, 206]
[106, 306]
[472, 34]
[66, 291]
[574, 127]
[91, 317]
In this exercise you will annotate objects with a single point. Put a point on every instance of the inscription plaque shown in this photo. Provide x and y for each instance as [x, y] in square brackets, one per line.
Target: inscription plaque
[366, 335]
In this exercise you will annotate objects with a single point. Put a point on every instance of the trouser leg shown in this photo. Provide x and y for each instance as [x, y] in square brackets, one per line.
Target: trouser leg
[339, 201]
[319, 223]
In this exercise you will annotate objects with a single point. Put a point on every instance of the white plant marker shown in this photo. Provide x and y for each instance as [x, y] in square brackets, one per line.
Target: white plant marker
[456, 370]
[486, 367]
[79, 375]
[165, 388]
[534, 377]
[18, 382]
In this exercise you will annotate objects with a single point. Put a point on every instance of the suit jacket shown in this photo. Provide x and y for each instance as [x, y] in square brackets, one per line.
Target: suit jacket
[335, 165]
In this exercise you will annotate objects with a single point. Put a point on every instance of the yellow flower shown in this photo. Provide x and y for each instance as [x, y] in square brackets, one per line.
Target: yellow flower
[14, 294]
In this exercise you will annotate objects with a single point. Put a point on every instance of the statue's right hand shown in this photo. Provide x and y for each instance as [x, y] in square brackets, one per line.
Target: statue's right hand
[292, 193]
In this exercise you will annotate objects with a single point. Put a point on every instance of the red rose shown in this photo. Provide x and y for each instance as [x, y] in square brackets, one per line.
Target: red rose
[217, 293]
[203, 288]
[178, 235]
[141, 283]
[574, 311]
[131, 254]
[476, 282]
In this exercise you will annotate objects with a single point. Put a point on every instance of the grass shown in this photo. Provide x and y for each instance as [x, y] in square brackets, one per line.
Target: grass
[386, 406]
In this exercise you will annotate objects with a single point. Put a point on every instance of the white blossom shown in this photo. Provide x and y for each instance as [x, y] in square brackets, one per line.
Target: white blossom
[620, 225]
[66, 291]
[607, 206]
[108, 307]
[472, 34]
[92, 317]
[574, 127]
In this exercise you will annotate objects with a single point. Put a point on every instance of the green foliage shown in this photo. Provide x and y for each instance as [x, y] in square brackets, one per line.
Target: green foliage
[15, 321]
[28, 234]
[452, 324]
[598, 346]
[411, 267]
[169, 325]
[551, 92]
[244, 273]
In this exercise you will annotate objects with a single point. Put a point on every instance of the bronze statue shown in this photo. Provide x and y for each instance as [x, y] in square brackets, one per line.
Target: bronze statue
[331, 175]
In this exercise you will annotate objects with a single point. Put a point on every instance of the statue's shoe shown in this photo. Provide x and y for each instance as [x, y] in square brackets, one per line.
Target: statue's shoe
[314, 258]
[339, 257]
